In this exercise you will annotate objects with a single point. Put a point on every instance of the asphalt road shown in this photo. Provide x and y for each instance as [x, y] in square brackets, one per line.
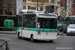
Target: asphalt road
[64, 42]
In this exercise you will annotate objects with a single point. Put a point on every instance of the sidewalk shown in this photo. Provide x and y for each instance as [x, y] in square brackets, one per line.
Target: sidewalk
[7, 32]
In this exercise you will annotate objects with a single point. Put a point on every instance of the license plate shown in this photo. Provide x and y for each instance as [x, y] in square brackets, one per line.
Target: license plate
[46, 33]
[8, 23]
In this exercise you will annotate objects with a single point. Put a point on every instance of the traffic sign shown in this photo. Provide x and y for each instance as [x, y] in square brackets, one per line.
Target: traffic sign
[63, 10]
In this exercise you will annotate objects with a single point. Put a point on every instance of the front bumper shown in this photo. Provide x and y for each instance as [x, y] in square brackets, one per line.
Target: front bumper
[42, 38]
[71, 33]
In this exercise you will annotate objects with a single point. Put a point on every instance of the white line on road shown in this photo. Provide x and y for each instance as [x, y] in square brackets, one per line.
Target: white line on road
[4, 38]
[17, 42]
[59, 36]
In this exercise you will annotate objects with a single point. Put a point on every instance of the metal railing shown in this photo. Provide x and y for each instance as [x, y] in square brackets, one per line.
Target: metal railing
[3, 45]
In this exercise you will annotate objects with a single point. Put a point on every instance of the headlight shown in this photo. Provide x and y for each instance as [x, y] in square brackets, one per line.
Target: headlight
[68, 30]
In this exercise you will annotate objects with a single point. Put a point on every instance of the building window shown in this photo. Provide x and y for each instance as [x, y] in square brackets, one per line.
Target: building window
[24, 0]
[40, 0]
[28, 7]
[41, 8]
[58, 1]
[52, 1]
[29, 0]
[56, 10]
[24, 7]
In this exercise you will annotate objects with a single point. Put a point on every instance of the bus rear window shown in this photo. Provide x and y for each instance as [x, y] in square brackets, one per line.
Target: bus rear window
[48, 23]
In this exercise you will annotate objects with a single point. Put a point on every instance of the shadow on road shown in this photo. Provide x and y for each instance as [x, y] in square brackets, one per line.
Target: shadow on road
[37, 41]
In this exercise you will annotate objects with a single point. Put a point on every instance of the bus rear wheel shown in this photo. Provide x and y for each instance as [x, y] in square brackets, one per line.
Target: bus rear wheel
[31, 38]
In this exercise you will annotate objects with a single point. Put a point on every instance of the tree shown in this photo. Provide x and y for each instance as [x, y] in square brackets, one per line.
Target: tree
[7, 5]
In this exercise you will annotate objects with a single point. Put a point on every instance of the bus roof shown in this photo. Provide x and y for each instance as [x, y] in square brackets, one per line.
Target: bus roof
[40, 14]
[46, 16]
[35, 12]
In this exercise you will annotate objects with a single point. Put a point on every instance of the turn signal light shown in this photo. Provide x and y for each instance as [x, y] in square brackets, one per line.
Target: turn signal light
[38, 29]
[53, 30]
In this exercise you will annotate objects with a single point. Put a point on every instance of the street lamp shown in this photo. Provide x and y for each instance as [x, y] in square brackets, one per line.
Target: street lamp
[37, 5]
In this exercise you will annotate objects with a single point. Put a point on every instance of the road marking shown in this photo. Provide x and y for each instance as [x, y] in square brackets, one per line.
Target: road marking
[4, 38]
[59, 36]
[17, 42]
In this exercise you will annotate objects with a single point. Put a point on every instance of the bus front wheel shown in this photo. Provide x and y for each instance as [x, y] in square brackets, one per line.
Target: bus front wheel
[18, 35]
[31, 38]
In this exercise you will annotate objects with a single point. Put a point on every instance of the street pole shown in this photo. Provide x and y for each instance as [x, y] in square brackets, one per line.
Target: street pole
[37, 5]
[71, 1]
[69, 7]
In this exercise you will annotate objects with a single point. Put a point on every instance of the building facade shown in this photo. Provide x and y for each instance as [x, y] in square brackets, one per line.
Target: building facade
[8, 7]
[32, 4]
[63, 3]
[73, 8]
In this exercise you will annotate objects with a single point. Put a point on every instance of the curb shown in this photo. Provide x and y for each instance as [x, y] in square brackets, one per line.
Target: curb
[7, 32]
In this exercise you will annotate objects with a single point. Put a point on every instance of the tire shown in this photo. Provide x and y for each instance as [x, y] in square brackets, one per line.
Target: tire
[65, 32]
[18, 35]
[31, 38]
[68, 35]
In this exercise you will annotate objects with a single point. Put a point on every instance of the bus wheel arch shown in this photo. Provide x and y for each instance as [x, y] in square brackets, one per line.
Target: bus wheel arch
[32, 37]
[50, 41]
[18, 35]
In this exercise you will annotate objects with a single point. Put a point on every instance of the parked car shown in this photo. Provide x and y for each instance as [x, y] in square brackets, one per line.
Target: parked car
[71, 29]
